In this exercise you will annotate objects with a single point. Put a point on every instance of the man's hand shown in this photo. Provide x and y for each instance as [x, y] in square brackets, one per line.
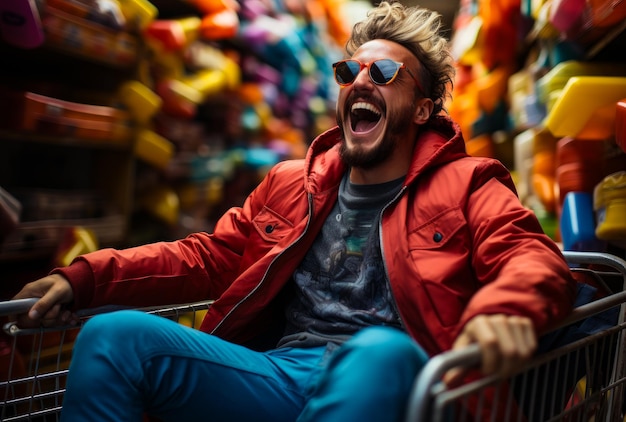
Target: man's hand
[54, 291]
[506, 342]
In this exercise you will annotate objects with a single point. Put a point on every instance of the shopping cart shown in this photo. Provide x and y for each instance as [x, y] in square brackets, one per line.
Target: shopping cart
[34, 362]
[582, 380]
[579, 380]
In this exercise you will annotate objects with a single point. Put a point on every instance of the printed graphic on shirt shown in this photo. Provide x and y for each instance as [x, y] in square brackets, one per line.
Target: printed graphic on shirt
[341, 284]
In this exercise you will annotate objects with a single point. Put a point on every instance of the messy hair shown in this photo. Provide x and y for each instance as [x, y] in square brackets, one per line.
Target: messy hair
[418, 30]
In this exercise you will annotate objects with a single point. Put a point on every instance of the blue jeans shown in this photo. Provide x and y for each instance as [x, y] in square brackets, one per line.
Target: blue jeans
[127, 364]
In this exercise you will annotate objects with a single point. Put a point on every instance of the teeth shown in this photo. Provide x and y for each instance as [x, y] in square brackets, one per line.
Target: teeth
[364, 106]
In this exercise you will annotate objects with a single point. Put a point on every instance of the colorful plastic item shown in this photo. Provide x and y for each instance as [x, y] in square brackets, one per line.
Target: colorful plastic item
[163, 203]
[138, 13]
[550, 85]
[565, 14]
[581, 97]
[620, 124]
[52, 116]
[220, 25]
[609, 202]
[76, 241]
[88, 39]
[577, 223]
[153, 148]
[20, 24]
[581, 165]
[174, 35]
[141, 101]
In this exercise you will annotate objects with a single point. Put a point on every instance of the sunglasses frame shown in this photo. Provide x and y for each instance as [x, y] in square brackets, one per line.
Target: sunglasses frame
[399, 65]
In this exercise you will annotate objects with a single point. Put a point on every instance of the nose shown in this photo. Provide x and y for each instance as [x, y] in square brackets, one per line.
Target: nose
[363, 78]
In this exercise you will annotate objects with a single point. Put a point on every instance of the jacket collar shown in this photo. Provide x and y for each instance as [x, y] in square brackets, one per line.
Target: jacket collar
[438, 143]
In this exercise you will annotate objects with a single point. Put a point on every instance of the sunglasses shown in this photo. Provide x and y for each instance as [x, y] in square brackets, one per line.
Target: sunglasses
[381, 72]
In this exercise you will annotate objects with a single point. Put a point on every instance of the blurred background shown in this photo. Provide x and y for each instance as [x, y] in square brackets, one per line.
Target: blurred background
[130, 121]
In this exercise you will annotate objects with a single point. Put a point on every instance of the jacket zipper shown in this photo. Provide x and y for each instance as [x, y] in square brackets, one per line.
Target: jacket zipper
[253, 291]
[382, 252]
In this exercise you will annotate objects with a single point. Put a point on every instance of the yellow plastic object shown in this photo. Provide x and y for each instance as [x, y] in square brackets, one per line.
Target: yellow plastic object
[556, 79]
[609, 202]
[140, 13]
[197, 87]
[581, 97]
[77, 241]
[153, 148]
[141, 101]
[163, 203]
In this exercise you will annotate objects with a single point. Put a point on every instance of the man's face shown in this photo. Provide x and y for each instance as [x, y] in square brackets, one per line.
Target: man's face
[376, 119]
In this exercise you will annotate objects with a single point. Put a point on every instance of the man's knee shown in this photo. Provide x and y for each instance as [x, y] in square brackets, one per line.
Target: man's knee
[387, 346]
[119, 329]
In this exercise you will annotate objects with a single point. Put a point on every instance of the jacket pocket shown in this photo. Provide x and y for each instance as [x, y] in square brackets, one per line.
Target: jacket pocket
[438, 231]
[440, 253]
[270, 226]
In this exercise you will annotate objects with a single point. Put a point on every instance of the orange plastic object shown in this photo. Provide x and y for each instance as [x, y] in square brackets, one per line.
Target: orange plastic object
[220, 25]
[542, 179]
[620, 124]
[600, 125]
[491, 88]
[480, 146]
[52, 116]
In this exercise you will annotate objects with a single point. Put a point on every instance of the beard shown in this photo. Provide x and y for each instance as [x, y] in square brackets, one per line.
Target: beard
[397, 127]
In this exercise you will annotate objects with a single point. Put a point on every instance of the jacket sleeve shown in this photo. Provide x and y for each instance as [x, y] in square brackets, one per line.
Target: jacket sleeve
[197, 267]
[520, 269]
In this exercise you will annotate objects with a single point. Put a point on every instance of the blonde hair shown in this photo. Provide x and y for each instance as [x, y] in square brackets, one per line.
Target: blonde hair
[418, 30]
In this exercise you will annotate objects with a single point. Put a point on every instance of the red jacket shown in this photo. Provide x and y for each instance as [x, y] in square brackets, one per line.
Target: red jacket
[456, 243]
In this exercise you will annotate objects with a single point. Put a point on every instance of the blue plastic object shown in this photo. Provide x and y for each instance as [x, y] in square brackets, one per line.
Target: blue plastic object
[577, 223]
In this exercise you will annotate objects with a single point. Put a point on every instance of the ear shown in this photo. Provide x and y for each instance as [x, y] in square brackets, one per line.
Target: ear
[423, 109]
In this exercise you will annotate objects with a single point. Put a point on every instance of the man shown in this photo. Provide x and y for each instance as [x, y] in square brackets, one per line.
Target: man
[346, 270]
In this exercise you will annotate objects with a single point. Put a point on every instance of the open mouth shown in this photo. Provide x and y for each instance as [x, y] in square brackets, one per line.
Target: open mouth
[364, 117]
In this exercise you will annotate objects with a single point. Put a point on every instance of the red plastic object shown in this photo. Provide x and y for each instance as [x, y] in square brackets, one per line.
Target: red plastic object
[620, 124]
[580, 165]
[173, 34]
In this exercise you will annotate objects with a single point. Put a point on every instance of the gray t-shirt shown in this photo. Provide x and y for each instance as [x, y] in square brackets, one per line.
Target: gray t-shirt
[341, 284]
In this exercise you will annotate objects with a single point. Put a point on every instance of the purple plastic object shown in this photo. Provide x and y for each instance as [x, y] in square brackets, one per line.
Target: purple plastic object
[20, 24]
